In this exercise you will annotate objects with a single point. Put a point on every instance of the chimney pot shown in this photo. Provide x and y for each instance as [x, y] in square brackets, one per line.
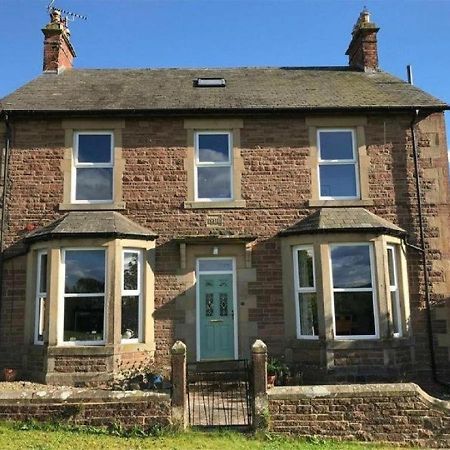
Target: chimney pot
[363, 50]
[58, 50]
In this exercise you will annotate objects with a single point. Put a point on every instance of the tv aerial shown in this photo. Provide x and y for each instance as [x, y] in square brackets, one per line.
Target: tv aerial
[69, 15]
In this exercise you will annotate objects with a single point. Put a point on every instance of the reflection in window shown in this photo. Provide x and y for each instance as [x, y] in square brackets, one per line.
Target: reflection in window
[84, 295]
[354, 299]
[337, 164]
[41, 297]
[305, 292]
[93, 162]
[213, 166]
[394, 292]
[131, 296]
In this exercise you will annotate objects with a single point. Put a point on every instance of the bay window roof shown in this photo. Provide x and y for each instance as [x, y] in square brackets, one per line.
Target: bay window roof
[91, 224]
[326, 220]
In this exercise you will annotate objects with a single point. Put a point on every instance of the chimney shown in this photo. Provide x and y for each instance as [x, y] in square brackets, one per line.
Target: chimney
[362, 51]
[58, 51]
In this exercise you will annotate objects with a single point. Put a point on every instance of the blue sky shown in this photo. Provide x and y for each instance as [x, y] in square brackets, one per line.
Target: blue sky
[230, 33]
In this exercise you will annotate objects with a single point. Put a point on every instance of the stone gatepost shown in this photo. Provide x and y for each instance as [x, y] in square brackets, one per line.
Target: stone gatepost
[179, 396]
[261, 403]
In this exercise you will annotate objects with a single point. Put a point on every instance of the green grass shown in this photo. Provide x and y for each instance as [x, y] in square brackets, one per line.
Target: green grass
[49, 437]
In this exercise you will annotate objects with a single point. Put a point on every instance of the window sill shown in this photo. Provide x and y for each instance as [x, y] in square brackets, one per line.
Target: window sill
[81, 350]
[215, 205]
[117, 206]
[371, 343]
[340, 203]
[136, 347]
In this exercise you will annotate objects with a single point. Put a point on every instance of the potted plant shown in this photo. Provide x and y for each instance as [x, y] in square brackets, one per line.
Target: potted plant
[9, 374]
[273, 369]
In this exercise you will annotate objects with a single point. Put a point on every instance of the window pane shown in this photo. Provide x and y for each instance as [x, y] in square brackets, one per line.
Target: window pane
[85, 271]
[354, 313]
[130, 317]
[336, 145]
[83, 318]
[213, 148]
[309, 325]
[395, 308]
[94, 148]
[41, 318]
[215, 265]
[391, 266]
[337, 180]
[94, 184]
[305, 268]
[130, 271]
[351, 266]
[43, 273]
[214, 182]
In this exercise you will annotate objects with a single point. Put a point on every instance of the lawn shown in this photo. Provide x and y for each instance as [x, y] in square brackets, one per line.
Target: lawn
[38, 437]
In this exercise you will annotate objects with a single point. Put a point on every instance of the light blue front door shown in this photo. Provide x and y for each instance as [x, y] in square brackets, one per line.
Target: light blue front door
[216, 316]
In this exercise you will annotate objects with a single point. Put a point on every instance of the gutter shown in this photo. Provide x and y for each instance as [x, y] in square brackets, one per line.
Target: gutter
[133, 112]
[421, 248]
[4, 178]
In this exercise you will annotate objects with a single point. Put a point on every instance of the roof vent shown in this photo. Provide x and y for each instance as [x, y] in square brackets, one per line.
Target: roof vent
[210, 82]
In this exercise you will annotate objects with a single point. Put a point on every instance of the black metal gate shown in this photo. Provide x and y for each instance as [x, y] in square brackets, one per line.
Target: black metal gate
[219, 393]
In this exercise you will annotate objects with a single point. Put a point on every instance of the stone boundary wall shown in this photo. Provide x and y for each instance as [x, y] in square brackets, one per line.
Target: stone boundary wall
[394, 413]
[88, 407]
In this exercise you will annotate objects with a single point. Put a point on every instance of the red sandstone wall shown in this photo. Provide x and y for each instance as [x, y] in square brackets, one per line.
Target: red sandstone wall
[276, 186]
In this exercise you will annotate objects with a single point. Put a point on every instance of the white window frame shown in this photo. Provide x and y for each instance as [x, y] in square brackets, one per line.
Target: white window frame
[133, 293]
[86, 165]
[303, 290]
[199, 164]
[336, 162]
[63, 296]
[394, 288]
[373, 289]
[39, 316]
[199, 272]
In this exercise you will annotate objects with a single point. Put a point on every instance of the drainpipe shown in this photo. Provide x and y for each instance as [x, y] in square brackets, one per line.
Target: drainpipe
[3, 205]
[423, 252]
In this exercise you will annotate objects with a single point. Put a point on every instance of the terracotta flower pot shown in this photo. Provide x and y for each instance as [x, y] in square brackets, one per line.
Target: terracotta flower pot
[9, 374]
[271, 380]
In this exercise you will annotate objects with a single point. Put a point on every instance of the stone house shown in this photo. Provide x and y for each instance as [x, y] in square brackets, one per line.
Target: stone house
[218, 206]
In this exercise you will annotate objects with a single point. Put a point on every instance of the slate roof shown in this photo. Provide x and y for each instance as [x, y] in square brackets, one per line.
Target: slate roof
[91, 224]
[136, 90]
[326, 220]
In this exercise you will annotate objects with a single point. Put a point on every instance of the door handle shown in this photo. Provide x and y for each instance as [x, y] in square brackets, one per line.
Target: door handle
[216, 320]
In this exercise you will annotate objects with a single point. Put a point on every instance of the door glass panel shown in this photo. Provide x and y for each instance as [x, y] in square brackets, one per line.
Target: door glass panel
[209, 298]
[223, 298]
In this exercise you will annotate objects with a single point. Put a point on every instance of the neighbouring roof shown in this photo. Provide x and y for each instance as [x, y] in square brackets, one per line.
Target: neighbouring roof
[326, 220]
[91, 224]
[135, 90]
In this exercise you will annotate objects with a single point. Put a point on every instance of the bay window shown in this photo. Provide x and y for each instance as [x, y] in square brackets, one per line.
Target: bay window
[305, 292]
[354, 300]
[131, 328]
[394, 291]
[340, 287]
[84, 296]
[41, 297]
